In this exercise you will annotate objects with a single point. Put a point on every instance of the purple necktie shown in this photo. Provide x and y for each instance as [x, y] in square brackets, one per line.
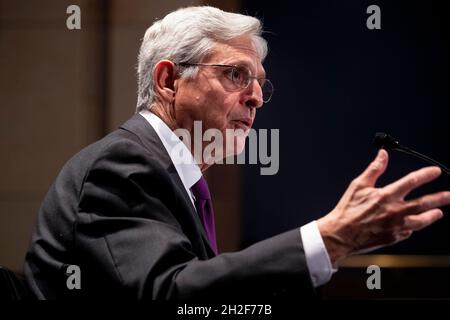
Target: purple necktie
[203, 204]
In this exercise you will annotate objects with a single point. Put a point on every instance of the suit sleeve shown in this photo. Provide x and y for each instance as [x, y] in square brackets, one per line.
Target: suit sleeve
[129, 232]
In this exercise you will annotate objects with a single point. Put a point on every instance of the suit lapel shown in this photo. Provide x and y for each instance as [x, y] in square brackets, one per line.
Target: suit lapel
[149, 138]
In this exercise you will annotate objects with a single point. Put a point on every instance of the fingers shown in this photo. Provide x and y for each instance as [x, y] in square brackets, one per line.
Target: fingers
[418, 214]
[420, 221]
[370, 176]
[405, 185]
[403, 235]
[427, 202]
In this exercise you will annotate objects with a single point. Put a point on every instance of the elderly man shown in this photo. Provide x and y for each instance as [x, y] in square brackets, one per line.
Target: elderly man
[138, 223]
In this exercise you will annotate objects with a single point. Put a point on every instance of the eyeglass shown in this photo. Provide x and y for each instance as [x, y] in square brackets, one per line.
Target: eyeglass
[241, 77]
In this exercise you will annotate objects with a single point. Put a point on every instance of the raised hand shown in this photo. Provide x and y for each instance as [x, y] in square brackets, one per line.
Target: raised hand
[367, 218]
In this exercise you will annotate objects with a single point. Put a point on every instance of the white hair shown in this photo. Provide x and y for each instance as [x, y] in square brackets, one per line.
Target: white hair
[188, 35]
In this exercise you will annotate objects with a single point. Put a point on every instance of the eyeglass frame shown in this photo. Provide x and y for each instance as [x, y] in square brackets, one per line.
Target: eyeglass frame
[187, 64]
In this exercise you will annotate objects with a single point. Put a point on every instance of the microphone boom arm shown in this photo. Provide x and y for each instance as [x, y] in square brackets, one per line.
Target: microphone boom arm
[423, 157]
[385, 141]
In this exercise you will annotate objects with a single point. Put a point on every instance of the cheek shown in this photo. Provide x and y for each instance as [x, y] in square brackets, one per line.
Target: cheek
[218, 112]
[209, 104]
[188, 103]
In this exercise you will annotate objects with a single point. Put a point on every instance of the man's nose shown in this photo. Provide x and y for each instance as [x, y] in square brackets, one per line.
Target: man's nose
[254, 96]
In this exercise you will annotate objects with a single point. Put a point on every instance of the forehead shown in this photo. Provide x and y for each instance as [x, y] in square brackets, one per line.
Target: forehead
[239, 51]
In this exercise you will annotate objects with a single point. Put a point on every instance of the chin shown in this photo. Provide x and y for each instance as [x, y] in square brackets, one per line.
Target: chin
[234, 141]
[239, 145]
[235, 147]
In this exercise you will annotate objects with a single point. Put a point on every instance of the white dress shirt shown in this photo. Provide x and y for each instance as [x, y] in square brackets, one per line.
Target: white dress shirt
[188, 171]
[317, 258]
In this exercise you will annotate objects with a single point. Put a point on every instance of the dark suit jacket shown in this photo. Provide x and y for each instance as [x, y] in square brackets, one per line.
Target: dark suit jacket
[119, 211]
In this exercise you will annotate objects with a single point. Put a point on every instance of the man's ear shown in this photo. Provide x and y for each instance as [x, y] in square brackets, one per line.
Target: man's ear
[164, 76]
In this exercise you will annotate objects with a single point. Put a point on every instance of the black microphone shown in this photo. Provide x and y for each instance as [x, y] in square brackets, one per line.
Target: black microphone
[385, 141]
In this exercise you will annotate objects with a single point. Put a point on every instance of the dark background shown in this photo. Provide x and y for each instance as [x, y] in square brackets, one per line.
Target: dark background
[336, 84]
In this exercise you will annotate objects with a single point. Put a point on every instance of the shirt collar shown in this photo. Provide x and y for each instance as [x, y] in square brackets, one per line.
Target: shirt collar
[185, 165]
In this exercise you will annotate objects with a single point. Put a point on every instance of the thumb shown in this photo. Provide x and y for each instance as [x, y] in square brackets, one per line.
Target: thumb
[375, 169]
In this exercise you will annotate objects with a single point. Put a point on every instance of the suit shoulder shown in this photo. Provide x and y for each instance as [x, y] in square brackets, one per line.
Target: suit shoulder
[112, 152]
